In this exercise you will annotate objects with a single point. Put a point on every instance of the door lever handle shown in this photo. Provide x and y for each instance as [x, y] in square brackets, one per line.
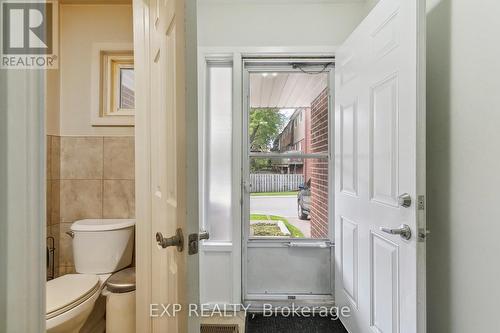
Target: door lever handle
[203, 235]
[404, 231]
[176, 240]
[193, 240]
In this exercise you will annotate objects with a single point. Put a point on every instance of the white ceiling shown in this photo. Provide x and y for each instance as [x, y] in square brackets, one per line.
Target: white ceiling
[285, 90]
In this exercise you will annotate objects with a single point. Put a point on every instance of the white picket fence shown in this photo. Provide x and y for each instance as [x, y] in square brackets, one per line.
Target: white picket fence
[269, 182]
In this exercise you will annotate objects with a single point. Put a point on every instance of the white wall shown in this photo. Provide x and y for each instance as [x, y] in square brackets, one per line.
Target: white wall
[463, 108]
[80, 26]
[276, 24]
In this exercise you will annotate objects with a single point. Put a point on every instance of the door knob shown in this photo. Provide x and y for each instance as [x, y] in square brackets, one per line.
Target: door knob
[176, 240]
[404, 231]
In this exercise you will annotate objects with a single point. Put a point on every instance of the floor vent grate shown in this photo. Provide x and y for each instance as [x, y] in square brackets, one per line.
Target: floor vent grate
[219, 328]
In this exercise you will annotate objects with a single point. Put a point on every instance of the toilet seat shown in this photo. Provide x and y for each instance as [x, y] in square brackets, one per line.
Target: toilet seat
[68, 291]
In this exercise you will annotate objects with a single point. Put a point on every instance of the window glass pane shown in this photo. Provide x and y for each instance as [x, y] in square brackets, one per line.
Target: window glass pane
[127, 84]
[288, 111]
[289, 198]
[218, 153]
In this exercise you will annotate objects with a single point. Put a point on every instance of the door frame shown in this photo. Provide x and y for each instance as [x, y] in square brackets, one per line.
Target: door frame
[280, 60]
[143, 199]
[237, 53]
[22, 182]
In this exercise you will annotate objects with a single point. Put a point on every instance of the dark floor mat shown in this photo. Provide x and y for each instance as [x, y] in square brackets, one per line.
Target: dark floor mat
[257, 323]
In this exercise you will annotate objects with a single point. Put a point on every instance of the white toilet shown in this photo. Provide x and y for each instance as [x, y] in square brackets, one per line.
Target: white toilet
[100, 248]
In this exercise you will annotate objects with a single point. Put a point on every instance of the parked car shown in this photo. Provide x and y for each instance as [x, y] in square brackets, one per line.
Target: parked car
[304, 201]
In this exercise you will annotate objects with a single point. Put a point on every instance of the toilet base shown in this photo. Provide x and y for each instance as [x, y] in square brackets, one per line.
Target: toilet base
[96, 323]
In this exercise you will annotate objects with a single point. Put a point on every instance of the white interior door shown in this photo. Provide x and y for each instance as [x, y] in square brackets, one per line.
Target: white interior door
[380, 156]
[166, 176]
[163, 168]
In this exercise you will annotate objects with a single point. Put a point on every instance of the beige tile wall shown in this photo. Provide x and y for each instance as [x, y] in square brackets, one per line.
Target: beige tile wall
[91, 177]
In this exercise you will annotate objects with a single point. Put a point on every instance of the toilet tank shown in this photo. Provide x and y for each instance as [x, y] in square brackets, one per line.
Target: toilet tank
[102, 246]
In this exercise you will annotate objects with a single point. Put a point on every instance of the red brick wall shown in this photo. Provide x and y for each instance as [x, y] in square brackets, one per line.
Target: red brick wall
[306, 146]
[319, 168]
[128, 98]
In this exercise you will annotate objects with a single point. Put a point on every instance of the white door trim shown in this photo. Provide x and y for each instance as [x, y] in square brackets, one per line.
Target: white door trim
[143, 232]
[191, 137]
[421, 154]
[22, 230]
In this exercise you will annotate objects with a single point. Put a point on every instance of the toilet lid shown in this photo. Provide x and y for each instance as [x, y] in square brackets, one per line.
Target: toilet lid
[67, 291]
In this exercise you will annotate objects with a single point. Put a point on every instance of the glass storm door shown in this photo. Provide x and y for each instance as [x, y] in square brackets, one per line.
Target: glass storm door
[287, 220]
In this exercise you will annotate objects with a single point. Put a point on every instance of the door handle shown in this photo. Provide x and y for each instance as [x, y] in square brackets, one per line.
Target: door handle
[203, 235]
[193, 240]
[404, 231]
[321, 245]
[176, 240]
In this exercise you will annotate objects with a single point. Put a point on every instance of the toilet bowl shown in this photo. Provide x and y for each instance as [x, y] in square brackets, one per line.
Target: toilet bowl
[70, 299]
[100, 248]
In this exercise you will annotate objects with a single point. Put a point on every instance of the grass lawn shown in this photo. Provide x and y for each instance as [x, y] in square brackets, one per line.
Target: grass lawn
[274, 194]
[266, 229]
[294, 231]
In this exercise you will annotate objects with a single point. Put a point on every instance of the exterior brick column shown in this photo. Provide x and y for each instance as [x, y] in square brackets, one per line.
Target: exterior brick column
[319, 168]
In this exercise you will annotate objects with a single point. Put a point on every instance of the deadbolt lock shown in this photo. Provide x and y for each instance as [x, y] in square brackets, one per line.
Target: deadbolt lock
[404, 200]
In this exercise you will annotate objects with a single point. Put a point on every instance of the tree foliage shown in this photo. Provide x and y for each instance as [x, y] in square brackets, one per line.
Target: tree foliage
[264, 126]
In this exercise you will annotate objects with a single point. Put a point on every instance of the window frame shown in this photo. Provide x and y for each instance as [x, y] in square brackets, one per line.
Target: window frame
[204, 121]
[111, 65]
[117, 89]
[107, 59]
